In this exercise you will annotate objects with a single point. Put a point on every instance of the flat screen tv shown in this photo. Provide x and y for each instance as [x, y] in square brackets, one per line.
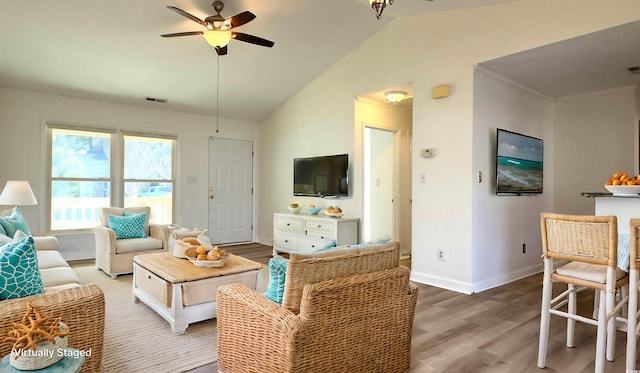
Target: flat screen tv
[324, 176]
[518, 163]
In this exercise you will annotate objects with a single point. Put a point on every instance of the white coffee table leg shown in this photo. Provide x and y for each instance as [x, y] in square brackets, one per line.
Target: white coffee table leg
[135, 298]
[179, 324]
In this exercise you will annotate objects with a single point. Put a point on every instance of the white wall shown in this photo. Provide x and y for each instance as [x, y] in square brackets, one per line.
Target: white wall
[22, 147]
[444, 50]
[502, 224]
[602, 129]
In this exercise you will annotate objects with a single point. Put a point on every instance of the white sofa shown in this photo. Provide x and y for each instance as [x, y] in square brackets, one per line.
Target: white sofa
[55, 271]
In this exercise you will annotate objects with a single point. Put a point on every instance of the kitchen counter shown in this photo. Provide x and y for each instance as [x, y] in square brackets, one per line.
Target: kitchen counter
[607, 194]
[624, 207]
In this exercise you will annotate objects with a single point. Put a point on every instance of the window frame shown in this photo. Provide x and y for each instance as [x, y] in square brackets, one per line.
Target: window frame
[116, 168]
[172, 181]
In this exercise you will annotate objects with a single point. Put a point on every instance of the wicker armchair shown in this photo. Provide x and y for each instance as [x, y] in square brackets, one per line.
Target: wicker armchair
[357, 317]
[81, 307]
[115, 256]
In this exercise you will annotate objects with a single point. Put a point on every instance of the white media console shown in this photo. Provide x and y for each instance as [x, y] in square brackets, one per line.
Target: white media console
[302, 233]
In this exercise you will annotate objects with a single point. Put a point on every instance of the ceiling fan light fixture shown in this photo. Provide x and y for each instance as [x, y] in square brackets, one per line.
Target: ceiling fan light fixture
[379, 5]
[217, 38]
[395, 96]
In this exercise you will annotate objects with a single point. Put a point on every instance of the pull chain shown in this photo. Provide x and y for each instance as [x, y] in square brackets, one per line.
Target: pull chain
[217, 92]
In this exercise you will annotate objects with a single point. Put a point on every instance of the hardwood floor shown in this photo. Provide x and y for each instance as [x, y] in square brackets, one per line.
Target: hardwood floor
[492, 331]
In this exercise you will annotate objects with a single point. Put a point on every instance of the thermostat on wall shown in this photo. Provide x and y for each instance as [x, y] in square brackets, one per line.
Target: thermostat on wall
[426, 153]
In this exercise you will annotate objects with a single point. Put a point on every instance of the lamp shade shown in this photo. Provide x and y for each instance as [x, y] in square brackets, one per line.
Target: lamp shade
[217, 38]
[18, 192]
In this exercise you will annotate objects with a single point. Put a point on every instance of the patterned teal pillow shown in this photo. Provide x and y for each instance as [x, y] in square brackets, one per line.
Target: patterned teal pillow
[14, 222]
[277, 273]
[19, 273]
[128, 226]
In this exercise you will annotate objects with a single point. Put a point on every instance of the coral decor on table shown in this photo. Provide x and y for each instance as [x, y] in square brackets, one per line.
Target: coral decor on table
[34, 340]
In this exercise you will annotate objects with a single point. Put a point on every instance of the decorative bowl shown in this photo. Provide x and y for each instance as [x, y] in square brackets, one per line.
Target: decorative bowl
[208, 263]
[294, 210]
[334, 214]
[312, 210]
[623, 189]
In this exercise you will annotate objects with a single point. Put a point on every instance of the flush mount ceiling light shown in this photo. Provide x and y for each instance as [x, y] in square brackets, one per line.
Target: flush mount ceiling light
[395, 96]
[379, 5]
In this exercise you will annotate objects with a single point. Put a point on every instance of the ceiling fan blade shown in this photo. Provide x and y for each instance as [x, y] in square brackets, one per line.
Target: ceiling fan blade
[241, 18]
[252, 39]
[188, 15]
[221, 50]
[188, 33]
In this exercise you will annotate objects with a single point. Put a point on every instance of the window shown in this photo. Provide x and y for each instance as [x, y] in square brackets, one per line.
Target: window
[148, 175]
[87, 173]
[80, 177]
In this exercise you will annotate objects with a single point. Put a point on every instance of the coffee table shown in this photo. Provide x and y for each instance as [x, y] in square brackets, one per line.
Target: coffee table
[182, 293]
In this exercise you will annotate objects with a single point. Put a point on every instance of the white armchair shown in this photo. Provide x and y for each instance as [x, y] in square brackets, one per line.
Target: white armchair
[115, 255]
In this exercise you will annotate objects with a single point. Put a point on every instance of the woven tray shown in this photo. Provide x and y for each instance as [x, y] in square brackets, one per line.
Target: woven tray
[181, 234]
[179, 246]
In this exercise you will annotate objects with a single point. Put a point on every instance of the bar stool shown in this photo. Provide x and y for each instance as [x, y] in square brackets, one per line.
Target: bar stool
[589, 243]
[634, 277]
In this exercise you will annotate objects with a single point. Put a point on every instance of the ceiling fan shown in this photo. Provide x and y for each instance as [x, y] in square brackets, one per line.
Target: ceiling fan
[219, 29]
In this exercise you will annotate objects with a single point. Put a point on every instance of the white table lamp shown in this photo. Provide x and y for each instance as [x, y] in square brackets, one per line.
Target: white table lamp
[18, 192]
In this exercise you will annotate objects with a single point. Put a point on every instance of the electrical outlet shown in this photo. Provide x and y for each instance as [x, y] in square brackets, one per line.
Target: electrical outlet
[524, 248]
[441, 255]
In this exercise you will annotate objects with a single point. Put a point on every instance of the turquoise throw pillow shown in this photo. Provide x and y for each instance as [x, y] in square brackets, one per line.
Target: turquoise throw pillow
[128, 226]
[17, 220]
[277, 273]
[9, 230]
[2, 231]
[10, 224]
[19, 273]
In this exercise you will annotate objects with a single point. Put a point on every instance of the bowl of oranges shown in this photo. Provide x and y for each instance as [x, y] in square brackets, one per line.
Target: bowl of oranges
[621, 183]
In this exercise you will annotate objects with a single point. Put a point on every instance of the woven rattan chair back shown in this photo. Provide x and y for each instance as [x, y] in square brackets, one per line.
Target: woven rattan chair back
[589, 239]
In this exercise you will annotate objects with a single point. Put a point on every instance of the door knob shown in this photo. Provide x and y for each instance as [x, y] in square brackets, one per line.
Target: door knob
[212, 196]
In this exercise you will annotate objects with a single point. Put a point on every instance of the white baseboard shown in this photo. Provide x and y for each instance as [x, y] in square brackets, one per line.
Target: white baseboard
[467, 288]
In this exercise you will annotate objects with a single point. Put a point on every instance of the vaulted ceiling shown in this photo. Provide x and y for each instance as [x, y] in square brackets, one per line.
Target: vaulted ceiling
[112, 50]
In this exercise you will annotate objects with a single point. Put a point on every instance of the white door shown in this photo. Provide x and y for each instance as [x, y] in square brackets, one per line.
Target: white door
[230, 190]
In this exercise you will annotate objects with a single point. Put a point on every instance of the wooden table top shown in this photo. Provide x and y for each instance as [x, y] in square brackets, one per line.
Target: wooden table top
[176, 270]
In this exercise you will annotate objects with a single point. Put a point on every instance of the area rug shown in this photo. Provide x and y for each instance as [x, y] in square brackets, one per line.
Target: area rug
[136, 339]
